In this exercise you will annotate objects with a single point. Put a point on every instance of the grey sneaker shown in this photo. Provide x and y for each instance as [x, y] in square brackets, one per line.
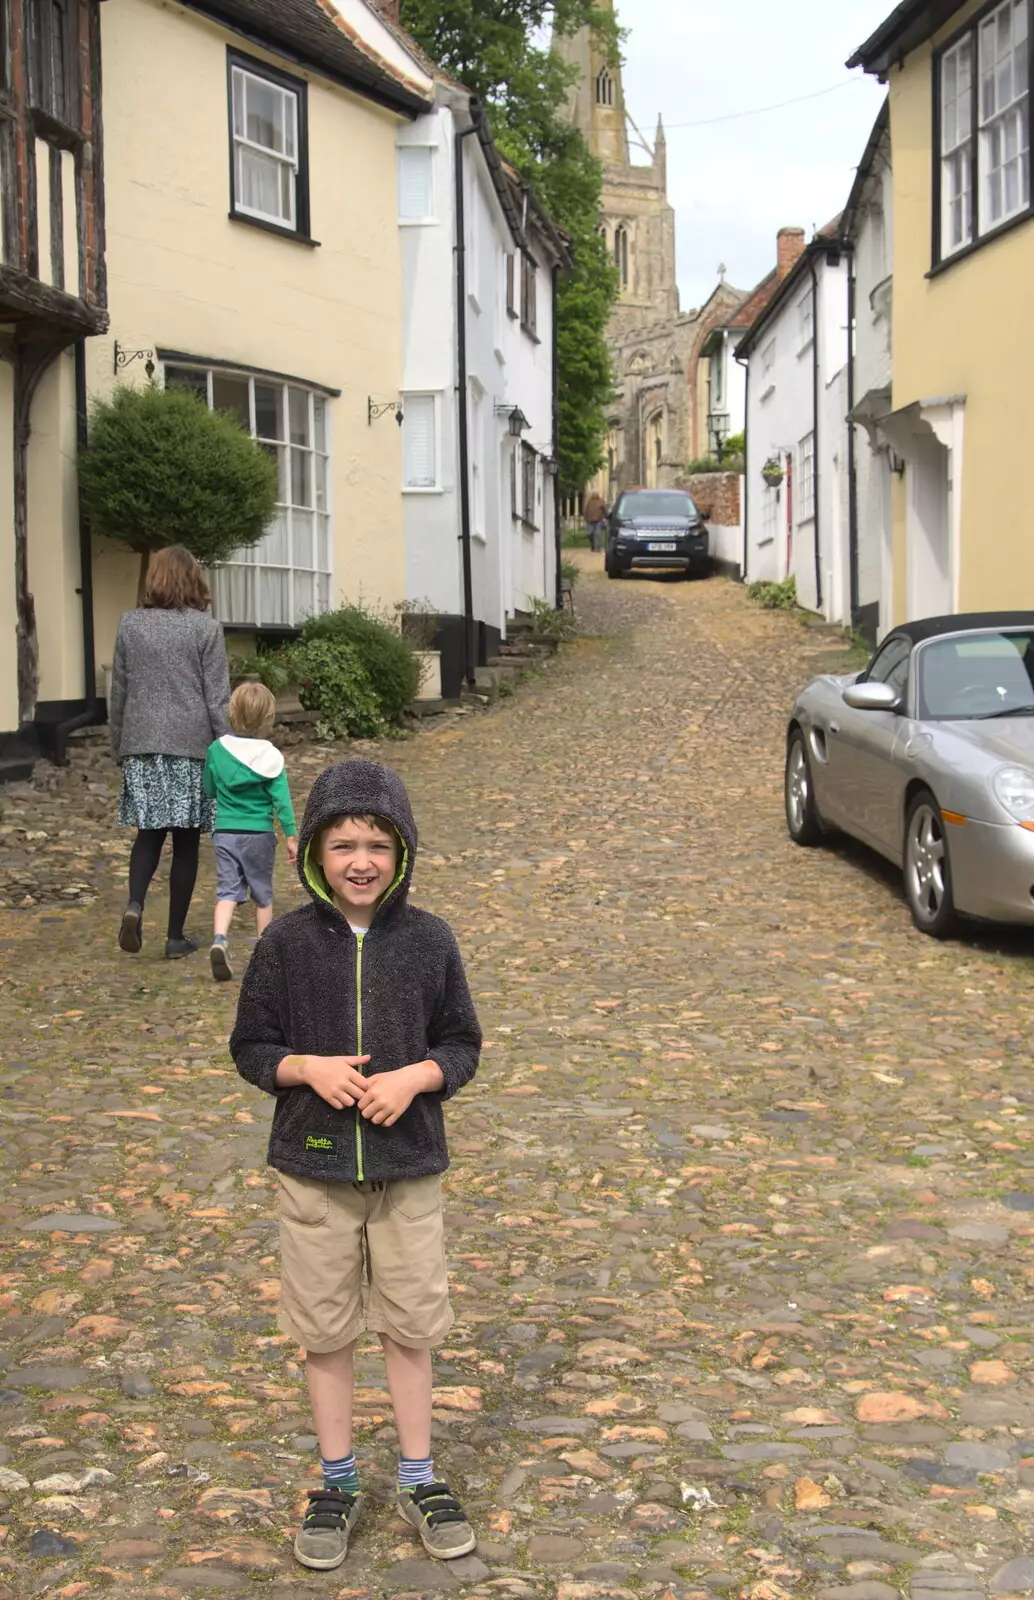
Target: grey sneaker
[322, 1539]
[438, 1518]
[219, 955]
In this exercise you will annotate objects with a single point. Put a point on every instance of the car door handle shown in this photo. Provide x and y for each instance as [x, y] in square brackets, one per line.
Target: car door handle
[834, 727]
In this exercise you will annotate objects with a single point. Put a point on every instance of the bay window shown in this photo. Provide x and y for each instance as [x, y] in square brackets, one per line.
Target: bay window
[284, 578]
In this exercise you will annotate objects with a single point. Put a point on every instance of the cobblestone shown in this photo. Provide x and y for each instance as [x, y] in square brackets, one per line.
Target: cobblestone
[740, 1210]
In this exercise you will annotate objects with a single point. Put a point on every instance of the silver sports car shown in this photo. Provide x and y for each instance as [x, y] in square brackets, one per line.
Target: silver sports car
[928, 756]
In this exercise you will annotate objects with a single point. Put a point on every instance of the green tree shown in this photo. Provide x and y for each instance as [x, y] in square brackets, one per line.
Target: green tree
[494, 47]
[162, 469]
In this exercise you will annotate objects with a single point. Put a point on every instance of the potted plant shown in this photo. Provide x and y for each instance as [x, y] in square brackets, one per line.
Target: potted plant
[772, 472]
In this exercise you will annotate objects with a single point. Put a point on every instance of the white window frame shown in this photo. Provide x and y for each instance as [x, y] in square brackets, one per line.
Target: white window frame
[322, 572]
[973, 122]
[240, 73]
[435, 396]
[429, 148]
[995, 119]
[768, 355]
[770, 500]
[804, 479]
[806, 320]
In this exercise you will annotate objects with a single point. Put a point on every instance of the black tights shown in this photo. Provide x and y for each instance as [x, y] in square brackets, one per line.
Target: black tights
[143, 864]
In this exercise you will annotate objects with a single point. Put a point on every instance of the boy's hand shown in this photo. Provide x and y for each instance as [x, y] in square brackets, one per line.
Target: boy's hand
[336, 1079]
[388, 1095]
[292, 847]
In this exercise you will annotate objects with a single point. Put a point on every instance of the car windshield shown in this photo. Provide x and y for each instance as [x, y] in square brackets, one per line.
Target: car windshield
[656, 503]
[977, 675]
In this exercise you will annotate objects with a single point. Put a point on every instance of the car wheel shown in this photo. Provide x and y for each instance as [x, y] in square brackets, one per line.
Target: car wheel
[612, 571]
[927, 869]
[802, 814]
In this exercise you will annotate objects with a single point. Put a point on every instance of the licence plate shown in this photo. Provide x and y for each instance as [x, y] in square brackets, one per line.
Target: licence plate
[661, 547]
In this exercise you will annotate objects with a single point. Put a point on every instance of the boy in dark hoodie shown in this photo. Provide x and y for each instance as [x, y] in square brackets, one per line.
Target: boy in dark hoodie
[355, 1014]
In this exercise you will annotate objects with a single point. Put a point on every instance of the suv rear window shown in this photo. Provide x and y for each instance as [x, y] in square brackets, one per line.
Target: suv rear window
[656, 503]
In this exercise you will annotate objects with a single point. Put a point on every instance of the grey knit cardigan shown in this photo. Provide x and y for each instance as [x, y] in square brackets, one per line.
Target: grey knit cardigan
[170, 684]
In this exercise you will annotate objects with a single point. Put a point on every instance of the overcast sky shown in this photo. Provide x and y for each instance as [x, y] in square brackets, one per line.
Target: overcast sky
[734, 184]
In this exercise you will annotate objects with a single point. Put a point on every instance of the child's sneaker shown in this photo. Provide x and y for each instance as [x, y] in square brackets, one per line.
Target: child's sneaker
[219, 955]
[439, 1519]
[322, 1540]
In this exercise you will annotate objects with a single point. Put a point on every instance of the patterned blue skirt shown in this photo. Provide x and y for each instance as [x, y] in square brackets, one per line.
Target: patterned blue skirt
[164, 792]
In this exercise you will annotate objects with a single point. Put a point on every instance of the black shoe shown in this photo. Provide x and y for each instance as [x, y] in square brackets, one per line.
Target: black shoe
[130, 933]
[175, 948]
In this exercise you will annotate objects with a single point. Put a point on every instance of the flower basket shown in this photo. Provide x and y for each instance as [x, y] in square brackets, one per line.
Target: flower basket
[772, 472]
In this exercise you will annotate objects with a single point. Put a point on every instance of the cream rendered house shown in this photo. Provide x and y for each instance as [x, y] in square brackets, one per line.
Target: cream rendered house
[957, 422]
[253, 254]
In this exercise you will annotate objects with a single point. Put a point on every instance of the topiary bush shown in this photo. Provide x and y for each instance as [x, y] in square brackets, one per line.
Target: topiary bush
[162, 469]
[334, 684]
[388, 658]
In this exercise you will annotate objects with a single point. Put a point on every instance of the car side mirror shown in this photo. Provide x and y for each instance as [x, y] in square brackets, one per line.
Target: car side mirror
[871, 697]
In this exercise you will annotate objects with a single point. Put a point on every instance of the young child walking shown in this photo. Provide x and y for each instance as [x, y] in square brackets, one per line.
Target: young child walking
[245, 776]
[355, 1013]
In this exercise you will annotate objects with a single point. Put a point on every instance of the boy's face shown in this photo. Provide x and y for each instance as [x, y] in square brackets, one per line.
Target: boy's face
[359, 863]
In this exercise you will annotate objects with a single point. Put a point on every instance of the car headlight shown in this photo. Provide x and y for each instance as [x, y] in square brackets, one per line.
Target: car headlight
[1014, 790]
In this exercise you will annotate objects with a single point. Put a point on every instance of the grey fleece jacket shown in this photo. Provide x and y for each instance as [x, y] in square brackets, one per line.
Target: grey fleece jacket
[170, 684]
[398, 995]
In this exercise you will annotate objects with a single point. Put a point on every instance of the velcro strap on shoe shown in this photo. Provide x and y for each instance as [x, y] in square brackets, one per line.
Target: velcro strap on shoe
[328, 1508]
[437, 1504]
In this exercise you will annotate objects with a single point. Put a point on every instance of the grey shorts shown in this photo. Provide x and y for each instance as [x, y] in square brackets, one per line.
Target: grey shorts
[244, 861]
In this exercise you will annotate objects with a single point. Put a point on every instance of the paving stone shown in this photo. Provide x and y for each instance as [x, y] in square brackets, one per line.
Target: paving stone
[554, 1549]
[860, 1591]
[1015, 1577]
[680, 1207]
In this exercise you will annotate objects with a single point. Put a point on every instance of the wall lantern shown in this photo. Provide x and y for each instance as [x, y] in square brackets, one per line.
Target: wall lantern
[718, 428]
[377, 408]
[518, 422]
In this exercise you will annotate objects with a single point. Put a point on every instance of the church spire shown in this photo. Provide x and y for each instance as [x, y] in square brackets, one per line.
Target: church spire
[597, 100]
[660, 155]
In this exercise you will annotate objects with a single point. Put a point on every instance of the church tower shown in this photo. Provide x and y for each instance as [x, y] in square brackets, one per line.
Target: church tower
[636, 219]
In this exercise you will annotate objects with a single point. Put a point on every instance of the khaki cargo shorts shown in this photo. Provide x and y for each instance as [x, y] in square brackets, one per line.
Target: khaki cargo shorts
[355, 1256]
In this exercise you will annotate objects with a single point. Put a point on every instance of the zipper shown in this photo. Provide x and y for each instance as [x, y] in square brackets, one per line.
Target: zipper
[359, 1049]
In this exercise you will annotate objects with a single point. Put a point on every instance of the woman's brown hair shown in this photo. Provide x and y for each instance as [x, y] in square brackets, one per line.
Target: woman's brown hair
[175, 581]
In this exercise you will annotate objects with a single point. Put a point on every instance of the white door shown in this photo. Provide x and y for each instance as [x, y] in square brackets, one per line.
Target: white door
[929, 531]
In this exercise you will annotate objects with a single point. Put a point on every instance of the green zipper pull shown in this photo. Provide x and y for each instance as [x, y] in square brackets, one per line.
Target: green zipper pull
[359, 1049]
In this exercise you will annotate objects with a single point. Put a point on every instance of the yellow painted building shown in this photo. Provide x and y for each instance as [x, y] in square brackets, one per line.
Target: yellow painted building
[253, 255]
[959, 429]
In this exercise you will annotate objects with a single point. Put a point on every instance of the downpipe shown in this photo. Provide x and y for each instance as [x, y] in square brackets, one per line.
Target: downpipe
[461, 400]
[815, 470]
[92, 714]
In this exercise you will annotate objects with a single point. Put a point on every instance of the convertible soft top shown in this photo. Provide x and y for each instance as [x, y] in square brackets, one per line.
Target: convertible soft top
[962, 622]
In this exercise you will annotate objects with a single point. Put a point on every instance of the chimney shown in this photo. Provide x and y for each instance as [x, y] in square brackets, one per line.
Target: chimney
[789, 250]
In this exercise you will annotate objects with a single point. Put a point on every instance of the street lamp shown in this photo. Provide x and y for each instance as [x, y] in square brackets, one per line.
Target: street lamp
[718, 428]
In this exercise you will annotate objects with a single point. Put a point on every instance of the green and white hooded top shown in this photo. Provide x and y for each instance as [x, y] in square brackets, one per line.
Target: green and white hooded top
[246, 778]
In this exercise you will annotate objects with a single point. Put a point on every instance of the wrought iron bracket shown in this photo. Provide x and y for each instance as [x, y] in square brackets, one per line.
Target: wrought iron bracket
[375, 409]
[124, 357]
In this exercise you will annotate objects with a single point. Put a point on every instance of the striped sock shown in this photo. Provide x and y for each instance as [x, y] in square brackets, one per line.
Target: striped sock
[341, 1474]
[415, 1470]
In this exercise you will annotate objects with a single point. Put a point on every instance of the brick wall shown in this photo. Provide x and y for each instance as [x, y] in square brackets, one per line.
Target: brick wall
[717, 494]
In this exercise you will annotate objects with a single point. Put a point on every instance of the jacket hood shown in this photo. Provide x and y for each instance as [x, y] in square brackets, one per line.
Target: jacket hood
[258, 758]
[357, 789]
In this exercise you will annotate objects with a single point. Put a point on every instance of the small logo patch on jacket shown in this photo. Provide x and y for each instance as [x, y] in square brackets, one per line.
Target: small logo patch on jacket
[321, 1143]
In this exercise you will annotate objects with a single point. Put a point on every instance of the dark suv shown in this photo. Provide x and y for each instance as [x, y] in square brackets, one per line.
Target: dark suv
[656, 528]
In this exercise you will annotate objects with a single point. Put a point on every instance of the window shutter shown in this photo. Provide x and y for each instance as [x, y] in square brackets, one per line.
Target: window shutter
[418, 441]
[415, 201]
[511, 303]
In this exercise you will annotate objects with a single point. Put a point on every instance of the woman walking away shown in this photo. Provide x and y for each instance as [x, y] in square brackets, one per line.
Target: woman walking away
[170, 691]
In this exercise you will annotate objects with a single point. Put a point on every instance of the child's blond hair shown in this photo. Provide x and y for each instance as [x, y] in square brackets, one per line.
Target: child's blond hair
[252, 710]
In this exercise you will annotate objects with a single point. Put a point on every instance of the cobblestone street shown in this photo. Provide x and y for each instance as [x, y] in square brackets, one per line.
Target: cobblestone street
[741, 1207]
